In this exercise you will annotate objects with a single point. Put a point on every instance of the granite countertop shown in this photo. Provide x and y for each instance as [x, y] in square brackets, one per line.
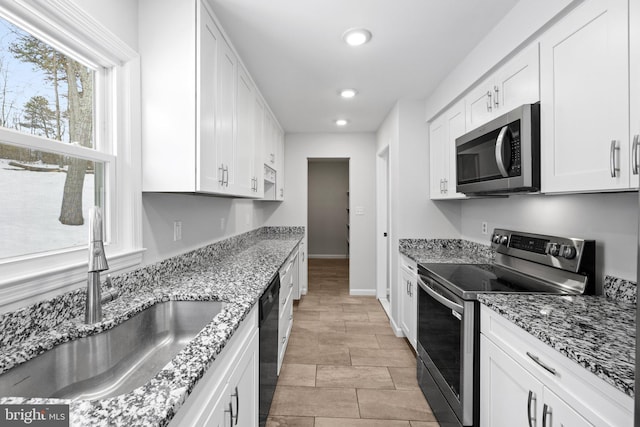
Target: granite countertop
[596, 332]
[453, 251]
[236, 273]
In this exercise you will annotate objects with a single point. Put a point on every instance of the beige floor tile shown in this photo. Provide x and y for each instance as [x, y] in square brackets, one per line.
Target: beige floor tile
[290, 422]
[377, 328]
[341, 315]
[363, 308]
[391, 341]
[305, 339]
[333, 299]
[348, 340]
[354, 377]
[307, 315]
[316, 326]
[319, 307]
[382, 357]
[295, 374]
[394, 405]
[424, 424]
[315, 402]
[319, 355]
[378, 316]
[404, 378]
[347, 422]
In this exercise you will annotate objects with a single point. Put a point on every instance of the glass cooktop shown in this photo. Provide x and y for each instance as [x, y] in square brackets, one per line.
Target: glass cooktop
[468, 280]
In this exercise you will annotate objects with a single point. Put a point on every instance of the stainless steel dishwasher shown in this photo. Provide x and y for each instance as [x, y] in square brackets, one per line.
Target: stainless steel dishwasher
[269, 302]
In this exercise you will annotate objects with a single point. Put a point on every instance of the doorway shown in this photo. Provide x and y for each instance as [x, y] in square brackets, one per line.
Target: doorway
[383, 240]
[328, 208]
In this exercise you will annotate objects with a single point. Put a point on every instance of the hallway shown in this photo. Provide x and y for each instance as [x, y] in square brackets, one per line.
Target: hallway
[343, 365]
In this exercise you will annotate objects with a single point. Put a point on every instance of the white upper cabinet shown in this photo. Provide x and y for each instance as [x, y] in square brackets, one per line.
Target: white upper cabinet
[585, 100]
[443, 132]
[634, 66]
[202, 116]
[515, 83]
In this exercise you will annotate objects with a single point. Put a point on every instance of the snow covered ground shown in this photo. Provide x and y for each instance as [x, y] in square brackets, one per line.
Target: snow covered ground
[29, 210]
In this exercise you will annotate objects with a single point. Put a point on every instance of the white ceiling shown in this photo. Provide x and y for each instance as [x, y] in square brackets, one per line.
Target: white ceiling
[295, 53]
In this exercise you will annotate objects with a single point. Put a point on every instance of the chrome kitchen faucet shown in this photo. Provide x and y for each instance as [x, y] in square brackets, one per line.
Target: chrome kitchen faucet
[97, 263]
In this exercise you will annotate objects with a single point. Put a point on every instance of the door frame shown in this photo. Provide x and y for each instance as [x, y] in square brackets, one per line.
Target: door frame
[383, 221]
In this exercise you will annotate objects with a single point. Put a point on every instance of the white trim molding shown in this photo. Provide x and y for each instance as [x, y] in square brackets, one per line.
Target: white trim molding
[362, 292]
[328, 256]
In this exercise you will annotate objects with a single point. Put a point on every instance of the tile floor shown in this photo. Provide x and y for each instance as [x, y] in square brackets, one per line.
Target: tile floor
[343, 365]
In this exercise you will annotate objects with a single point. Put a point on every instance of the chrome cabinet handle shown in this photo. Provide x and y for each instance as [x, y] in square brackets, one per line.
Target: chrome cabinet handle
[634, 154]
[446, 186]
[499, 146]
[221, 170]
[230, 411]
[489, 103]
[237, 396]
[496, 99]
[226, 171]
[612, 158]
[546, 410]
[530, 401]
[284, 339]
[539, 362]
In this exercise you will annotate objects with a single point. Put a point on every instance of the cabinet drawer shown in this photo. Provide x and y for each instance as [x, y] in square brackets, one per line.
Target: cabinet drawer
[597, 401]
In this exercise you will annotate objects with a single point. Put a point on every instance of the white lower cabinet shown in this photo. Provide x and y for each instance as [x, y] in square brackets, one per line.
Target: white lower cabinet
[227, 395]
[289, 286]
[408, 282]
[524, 382]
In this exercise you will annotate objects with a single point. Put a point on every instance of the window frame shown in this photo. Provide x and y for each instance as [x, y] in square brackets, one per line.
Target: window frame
[68, 28]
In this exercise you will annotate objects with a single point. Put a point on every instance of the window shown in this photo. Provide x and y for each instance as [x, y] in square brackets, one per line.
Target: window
[69, 140]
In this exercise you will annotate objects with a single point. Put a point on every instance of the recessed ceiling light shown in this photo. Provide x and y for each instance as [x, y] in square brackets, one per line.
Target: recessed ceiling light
[348, 93]
[341, 122]
[357, 36]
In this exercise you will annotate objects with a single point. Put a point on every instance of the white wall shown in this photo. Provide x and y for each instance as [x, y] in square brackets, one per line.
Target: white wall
[413, 214]
[609, 218]
[328, 209]
[360, 149]
[204, 221]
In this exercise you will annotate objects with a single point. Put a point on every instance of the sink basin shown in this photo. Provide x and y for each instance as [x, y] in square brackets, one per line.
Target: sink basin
[115, 361]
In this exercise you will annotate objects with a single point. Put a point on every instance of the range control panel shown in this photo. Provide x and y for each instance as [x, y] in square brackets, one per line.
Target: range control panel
[561, 252]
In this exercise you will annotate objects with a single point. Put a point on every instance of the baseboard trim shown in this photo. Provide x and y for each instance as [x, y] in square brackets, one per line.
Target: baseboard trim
[397, 330]
[362, 292]
[323, 256]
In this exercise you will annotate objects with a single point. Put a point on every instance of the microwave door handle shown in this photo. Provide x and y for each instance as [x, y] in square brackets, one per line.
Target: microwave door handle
[441, 299]
[499, 145]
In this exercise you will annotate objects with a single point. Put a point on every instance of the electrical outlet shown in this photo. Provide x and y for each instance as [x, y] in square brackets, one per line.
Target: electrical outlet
[485, 228]
[177, 230]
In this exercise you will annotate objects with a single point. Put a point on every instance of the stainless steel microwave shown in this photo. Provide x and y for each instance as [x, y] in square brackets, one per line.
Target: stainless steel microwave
[502, 156]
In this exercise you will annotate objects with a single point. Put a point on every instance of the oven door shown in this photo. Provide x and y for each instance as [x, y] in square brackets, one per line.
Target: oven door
[447, 349]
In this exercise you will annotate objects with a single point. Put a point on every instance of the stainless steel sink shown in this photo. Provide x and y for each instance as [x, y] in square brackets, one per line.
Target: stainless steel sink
[115, 361]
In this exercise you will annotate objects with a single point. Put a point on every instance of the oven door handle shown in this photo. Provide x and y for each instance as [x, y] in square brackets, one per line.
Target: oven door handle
[441, 299]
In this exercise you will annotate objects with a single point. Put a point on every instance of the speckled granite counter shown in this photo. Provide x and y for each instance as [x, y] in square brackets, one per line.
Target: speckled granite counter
[446, 251]
[235, 271]
[596, 332]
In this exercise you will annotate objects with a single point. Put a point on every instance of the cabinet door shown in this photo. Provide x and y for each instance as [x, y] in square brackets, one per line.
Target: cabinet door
[226, 111]
[438, 158]
[207, 162]
[259, 145]
[244, 142]
[518, 81]
[557, 413]
[480, 104]
[584, 71]
[268, 137]
[409, 305]
[634, 66]
[243, 387]
[219, 415]
[509, 395]
[455, 128]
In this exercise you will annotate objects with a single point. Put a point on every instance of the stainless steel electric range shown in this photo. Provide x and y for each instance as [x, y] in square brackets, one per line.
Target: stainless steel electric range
[448, 313]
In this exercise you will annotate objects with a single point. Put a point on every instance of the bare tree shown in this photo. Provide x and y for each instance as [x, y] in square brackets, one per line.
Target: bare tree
[79, 81]
[6, 105]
